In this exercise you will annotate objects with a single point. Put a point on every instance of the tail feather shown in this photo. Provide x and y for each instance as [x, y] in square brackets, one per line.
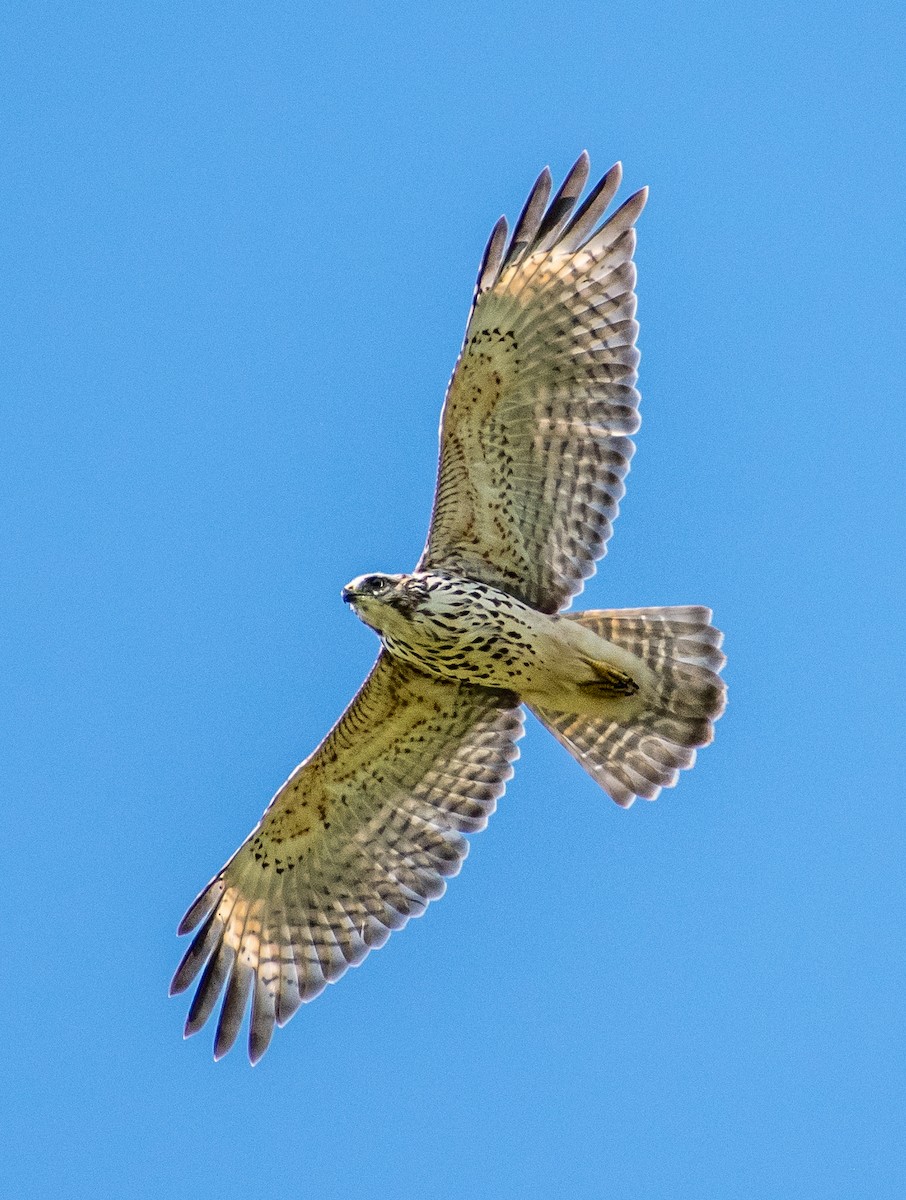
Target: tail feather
[639, 754]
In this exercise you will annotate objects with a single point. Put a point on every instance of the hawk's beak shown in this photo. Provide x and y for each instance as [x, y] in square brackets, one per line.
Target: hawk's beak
[348, 594]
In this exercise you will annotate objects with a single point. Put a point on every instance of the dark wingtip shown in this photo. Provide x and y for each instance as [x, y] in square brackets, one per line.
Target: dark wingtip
[232, 1010]
[560, 208]
[259, 1040]
[530, 218]
[634, 205]
[593, 207]
[185, 972]
[489, 268]
[196, 954]
[224, 1038]
[209, 895]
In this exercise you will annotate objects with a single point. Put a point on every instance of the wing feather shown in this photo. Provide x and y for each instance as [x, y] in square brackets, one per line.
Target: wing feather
[357, 841]
[559, 209]
[530, 218]
[493, 256]
[591, 210]
[535, 432]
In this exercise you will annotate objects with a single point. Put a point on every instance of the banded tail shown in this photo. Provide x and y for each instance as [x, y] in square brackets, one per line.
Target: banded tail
[642, 753]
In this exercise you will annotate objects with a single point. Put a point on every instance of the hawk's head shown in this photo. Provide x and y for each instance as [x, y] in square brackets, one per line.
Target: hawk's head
[427, 604]
[384, 601]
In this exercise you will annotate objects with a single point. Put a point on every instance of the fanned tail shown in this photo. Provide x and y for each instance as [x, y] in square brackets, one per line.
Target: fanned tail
[678, 705]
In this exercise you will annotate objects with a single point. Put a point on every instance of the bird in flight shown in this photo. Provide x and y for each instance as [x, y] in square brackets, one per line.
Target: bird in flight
[534, 446]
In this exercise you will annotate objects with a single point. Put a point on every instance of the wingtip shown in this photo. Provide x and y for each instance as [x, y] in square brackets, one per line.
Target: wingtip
[544, 179]
[201, 906]
[626, 215]
[256, 1051]
[636, 203]
[580, 169]
[224, 1040]
[183, 975]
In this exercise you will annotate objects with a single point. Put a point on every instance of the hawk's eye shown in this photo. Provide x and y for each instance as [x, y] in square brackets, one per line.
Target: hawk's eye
[379, 585]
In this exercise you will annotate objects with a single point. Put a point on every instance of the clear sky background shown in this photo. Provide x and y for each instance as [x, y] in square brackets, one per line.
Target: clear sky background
[238, 247]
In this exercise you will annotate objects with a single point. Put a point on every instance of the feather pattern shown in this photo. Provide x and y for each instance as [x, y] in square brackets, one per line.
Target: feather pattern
[640, 755]
[535, 432]
[359, 839]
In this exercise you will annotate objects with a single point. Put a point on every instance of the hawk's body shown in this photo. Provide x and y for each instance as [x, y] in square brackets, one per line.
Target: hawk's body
[535, 443]
[466, 630]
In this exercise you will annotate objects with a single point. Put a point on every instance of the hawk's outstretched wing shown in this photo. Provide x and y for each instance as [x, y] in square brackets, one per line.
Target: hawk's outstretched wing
[533, 444]
[357, 841]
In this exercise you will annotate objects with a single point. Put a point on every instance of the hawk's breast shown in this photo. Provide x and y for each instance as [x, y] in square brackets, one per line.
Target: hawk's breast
[474, 633]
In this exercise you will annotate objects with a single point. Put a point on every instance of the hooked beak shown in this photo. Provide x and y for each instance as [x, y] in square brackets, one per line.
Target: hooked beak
[348, 594]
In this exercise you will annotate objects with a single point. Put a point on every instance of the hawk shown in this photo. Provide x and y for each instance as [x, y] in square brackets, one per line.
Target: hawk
[534, 446]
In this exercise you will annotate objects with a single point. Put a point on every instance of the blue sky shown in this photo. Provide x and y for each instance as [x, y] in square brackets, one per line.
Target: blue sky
[238, 246]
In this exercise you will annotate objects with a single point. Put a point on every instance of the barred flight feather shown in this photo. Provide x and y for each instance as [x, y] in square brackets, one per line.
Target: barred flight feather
[535, 429]
[641, 754]
[357, 841]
